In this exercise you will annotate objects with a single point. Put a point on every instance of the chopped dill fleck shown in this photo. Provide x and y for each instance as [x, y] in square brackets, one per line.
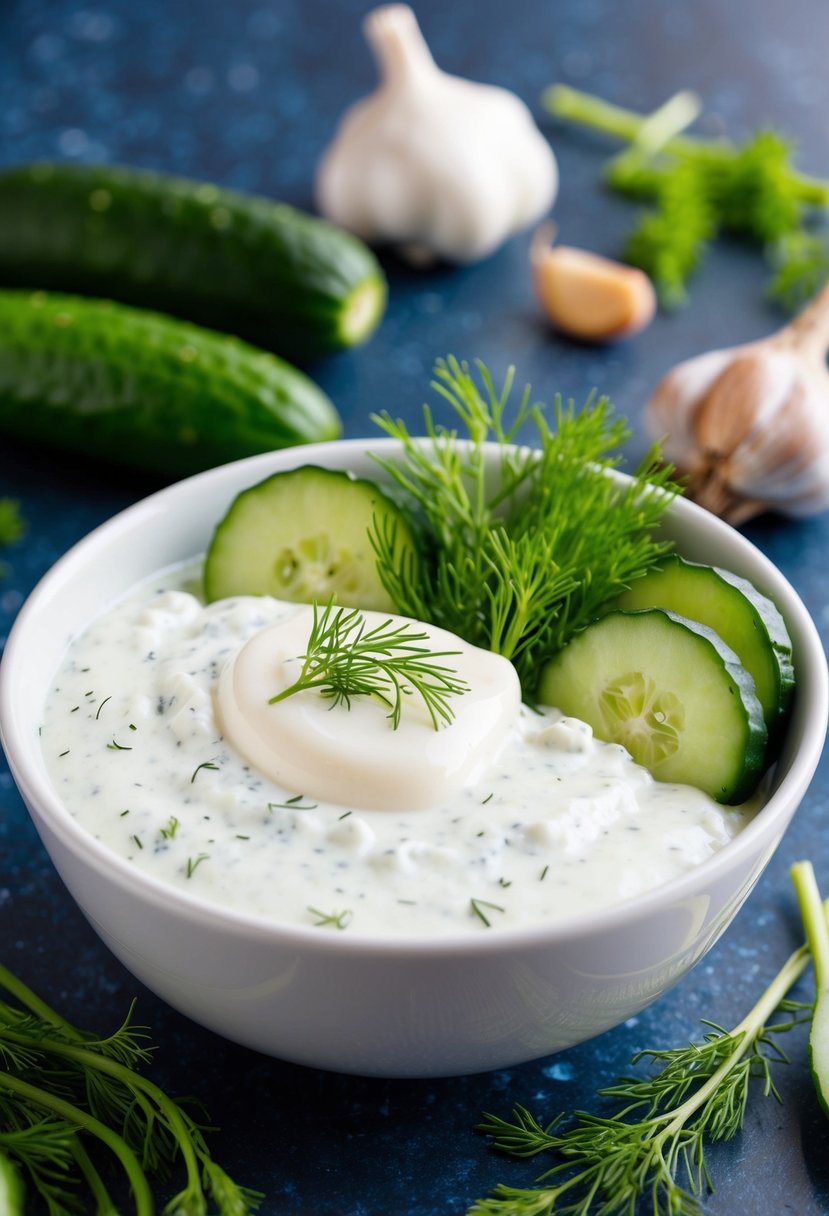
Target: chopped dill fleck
[101, 706]
[487, 799]
[170, 830]
[123, 813]
[544, 873]
[503, 882]
[345, 815]
[207, 764]
[137, 840]
[339, 920]
[74, 709]
[243, 837]
[114, 746]
[192, 865]
[133, 726]
[476, 906]
[293, 804]
[61, 754]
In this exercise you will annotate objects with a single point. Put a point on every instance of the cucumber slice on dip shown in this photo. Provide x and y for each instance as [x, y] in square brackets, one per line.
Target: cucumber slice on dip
[671, 692]
[746, 620]
[303, 535]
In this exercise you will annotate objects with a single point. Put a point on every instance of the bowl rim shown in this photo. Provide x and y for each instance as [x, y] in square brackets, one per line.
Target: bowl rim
[763, 830]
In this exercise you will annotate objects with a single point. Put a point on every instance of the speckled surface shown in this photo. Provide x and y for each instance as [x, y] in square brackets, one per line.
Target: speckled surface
[247, 94]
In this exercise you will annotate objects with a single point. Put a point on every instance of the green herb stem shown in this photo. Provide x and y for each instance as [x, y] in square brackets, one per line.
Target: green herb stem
[703, 187]
[89, 1083]
[74, 1115]
[11, 1188]
[586, 110]
[813, 913]
[31, 1001]
[607, 1164]
[104, 1205]
[169, 1110]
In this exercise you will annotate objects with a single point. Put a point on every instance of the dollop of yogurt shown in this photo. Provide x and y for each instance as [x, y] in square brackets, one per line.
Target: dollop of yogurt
[352, 755]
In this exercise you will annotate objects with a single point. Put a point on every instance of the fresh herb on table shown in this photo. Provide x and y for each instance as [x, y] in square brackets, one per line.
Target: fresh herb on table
[68, 1099]
[12, 528]
[11, 521]
[703, 187]
[653, 1148]
[521, 562]
[346, 659]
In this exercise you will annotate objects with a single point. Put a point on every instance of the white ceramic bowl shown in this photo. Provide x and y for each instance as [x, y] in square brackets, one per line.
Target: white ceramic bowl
[351, 1002]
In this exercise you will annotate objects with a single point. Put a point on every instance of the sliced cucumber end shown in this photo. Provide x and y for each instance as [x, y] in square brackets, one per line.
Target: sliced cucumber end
[363, 310]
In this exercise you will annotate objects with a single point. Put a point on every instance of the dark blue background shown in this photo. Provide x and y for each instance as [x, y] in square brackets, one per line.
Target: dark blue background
[247, 94]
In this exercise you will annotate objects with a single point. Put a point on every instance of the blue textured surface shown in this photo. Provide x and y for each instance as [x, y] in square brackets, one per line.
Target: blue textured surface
[247, 94]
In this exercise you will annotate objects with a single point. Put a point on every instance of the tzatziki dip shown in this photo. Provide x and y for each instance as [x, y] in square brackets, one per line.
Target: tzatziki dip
[161, 741]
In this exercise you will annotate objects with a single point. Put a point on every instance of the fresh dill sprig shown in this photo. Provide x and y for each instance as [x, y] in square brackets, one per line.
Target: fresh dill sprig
[703, 187]
[653, 1147]
[477, 906]
[347, 659]
[524, 555]
[72, 1105]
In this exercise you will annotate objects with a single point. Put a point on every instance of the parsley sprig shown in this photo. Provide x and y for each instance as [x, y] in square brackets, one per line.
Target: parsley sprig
[522, 556]
[347, 659]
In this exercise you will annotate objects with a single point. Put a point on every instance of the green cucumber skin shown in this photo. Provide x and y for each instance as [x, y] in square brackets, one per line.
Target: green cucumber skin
[289, 510]
[241, 263]
[141, 389]
[689, 588]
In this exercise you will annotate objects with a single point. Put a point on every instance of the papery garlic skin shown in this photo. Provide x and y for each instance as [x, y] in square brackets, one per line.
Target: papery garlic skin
[749, 427]
[439, 166]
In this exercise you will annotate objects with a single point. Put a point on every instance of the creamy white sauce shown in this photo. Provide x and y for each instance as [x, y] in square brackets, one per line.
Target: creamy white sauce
[556, 824]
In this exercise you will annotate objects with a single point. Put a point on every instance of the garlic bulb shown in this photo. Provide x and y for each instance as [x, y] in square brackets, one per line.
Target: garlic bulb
[434, 164]
[750, 425]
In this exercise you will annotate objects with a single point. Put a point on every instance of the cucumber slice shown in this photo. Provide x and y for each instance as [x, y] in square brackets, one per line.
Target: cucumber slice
[670, 691]
[746, 621]
[303, 535]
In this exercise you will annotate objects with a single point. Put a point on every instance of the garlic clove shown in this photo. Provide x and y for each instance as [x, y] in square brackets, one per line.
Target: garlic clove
[749, 427]
[588, 296]
[438, 166]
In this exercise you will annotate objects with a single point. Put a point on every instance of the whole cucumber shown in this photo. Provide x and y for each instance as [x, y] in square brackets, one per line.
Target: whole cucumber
[257, 268]
[142, 389]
